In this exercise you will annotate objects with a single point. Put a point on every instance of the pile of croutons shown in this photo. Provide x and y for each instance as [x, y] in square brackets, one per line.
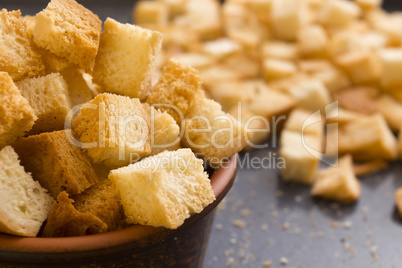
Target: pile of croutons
[331, 67]
[81, 124]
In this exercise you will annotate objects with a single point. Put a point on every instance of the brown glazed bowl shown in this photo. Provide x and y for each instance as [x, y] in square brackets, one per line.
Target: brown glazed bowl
[135, 246]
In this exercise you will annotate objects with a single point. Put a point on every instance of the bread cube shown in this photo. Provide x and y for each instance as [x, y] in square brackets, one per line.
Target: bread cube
[306, 122]
[333, 79]
[344, 42]
[69, 30]
[179, 37]
[210, 132]
[53, 63]
[103, 201]
[248, 66]
[342, 116]
[312, 41]
[48, 96]
[277, 69]
[398, 200]
[358, 99]
[369, 4]
[195, 60]
[368, 138]
[175, 7]
[370, 167]
[391, 61]
[400, 142]
[18, 116]
[219, 73]
[280, 50]
[227, 93]
[114, 130]
[126, 59]
[163, 195]
[177, 87]
[65, 220]
[309, 94]
[18, 56]
[287, 18]
[150, 13]
[165, 133]
[301, 154]
[221, 48]
[25, 203]
[338, 183]
[361, 66]
[56, 162]
[313, 66]
[339, 13]
[391, 109]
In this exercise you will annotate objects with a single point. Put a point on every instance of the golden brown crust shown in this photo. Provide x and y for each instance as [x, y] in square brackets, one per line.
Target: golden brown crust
[18, 55]
[56, 163]
[64, 220]
[69, 30]
[16, 115]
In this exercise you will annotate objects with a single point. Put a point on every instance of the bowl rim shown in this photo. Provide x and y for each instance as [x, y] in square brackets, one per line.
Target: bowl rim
[136, 236]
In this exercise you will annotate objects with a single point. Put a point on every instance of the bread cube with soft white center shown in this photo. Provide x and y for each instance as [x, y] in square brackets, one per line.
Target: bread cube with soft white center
[277, 69]
[391, 61]
[313, 41]
[164, 189]
[339, 13]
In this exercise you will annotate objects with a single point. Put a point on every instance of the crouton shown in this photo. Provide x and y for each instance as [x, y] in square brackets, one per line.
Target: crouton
[18, 56]
[25, 203]
[126, 59]
[211, 133]
[114, 130]
[391, 109]
[227, 93]
[17, 116]
[339, 13]
[163, 195]
[277, 69]
[48, 96]
[69, 30]
[280, 50]
[150, 13]
[358, 99]
[338, 183]
[195, 60]
[398, 200]
[370, 167]
[177, 87]
[312, 41]
[391, 60]
[221, 48]
[306, 122]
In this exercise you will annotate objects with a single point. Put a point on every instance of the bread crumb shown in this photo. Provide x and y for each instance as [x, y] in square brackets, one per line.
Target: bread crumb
[218, 226]
[239, 224]
[267, 263]
[334, 224]
[264, 227]
[245, 213]
[347, 224]
[274, 214]
[284, 261]
[285, 226]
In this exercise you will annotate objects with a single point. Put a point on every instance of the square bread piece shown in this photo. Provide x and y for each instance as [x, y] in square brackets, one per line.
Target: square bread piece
[368, 138]
[213, 134]
[114, 130]
[56, 162]
[126, 59]
[18, 56]
[398, 200]
[25, 204]
[301, 154]
[48, 96]
[69, 30]
[16, 115]
[177, 87]
[163, 190]
[338, 183]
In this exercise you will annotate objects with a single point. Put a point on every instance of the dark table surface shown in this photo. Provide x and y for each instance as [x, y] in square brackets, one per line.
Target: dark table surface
[264, 219]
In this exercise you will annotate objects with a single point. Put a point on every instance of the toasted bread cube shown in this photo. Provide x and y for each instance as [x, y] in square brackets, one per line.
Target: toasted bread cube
[114, 130]
[211, 133]
[391, 109]
[56, 162]
[48, 96]
[227, 93]
[69, 30]
[179, 37]
[280, 50]
[25, 203]
[361, 66]
[369, 4]
[370, 167]
[80, 86]
[18, 57]
[339, 13]
[221, 48]
[163, 195]
[345, 42]
[65, 220]
[195, 60]
[219, 73]
[333, 79]
[342, 116]
[368, 138]
[338, 183]
[30, 21]
[53, 63]
[18, 116]
[175, 7]
[165, 132]
[398, 200]
[313, 66]
[358, 99]
[150, 13]
[312, 41]
[103, 201]
[391, 60]
[177, 87]
[389, 26]
[301, 155]
[126, 59]
[400, 142]
[277, 69]
[306, 122]
[248, 66]
[287, 18]
[310, 94]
